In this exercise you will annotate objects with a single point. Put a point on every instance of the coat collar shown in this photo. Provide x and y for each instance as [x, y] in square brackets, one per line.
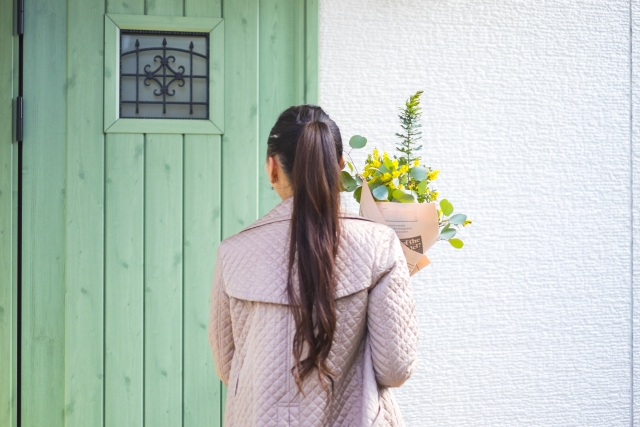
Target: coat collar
[282, 212]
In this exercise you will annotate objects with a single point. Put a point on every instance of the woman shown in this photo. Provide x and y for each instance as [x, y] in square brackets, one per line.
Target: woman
[312, 313]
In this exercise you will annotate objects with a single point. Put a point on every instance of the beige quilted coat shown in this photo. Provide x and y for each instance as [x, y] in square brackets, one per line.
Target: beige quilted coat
[251, 328]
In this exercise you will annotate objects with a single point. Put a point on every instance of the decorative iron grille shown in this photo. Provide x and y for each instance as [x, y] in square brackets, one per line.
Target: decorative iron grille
[164, 75]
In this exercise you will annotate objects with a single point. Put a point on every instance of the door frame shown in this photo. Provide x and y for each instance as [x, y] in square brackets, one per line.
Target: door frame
[10, 88]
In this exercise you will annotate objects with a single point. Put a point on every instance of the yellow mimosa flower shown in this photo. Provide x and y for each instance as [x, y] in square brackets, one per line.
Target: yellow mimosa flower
[404, 169]
[467, 222]
[416, 162]
[395, 164]
[386, 176]
[395, 174]
[432, 175]
[376, 163]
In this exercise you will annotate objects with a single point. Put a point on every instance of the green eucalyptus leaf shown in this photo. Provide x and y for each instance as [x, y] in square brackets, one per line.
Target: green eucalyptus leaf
[457, 219]
[422, 187]
[348, 183]
[418, 173]
[403, 197]
[395, 181]
[446, 207]
[408, 198]
[383, 169]
[381, 192]
[448, 233]
[358, 180]
[357, 141]
[456, 243]
[373, 185]
[357, 194]
[388, 164]
[350, 166]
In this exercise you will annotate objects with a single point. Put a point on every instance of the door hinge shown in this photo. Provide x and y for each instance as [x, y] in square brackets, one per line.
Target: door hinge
[19, 118]
[20, 20]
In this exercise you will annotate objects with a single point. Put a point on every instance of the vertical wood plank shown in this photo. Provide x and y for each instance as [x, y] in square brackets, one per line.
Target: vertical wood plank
[8, 222]
[43, 250]
[8, 278]
[311, 95]
[202, 387]
[281, 76]
[8, 284]
[203, 8]
[299, 47]
[164, 7]
[84, 270]
[124, 307]
[202, 177]
[163, 281]
[240, 141]
[124, 269]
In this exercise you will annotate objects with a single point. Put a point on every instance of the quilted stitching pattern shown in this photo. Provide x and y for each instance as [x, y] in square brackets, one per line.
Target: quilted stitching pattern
[251, 328]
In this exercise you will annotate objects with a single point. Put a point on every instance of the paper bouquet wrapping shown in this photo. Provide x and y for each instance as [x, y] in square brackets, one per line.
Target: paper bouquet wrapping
[416, 225]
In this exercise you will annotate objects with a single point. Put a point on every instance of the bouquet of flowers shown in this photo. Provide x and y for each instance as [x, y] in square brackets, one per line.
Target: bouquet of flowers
[399, 194]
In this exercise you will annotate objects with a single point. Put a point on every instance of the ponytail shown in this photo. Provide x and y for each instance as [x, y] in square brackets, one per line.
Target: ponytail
[311, 160]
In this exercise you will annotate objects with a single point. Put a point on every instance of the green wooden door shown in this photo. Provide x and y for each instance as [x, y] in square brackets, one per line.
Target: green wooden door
[119, 230]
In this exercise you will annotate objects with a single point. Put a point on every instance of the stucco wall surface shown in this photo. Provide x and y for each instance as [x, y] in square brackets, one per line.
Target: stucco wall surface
[527, 112]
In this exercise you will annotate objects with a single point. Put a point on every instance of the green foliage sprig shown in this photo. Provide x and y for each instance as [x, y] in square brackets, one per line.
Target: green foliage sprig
[409, 122]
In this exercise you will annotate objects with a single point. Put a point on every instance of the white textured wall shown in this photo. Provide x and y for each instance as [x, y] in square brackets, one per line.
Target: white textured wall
[527, 114]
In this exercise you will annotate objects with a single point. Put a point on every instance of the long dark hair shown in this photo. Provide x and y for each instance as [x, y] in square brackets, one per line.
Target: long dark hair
[308, 145]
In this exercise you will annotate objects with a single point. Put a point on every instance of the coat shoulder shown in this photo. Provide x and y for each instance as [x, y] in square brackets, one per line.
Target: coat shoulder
[255, 261]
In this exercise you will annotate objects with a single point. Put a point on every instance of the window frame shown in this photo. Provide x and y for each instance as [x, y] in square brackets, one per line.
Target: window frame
[112, 121]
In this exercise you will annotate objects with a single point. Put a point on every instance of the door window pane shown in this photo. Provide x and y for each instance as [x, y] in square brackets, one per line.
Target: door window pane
[164, 75]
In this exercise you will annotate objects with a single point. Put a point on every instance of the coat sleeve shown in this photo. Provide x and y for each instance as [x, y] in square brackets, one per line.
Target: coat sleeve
[391, 317]
[220, 330]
